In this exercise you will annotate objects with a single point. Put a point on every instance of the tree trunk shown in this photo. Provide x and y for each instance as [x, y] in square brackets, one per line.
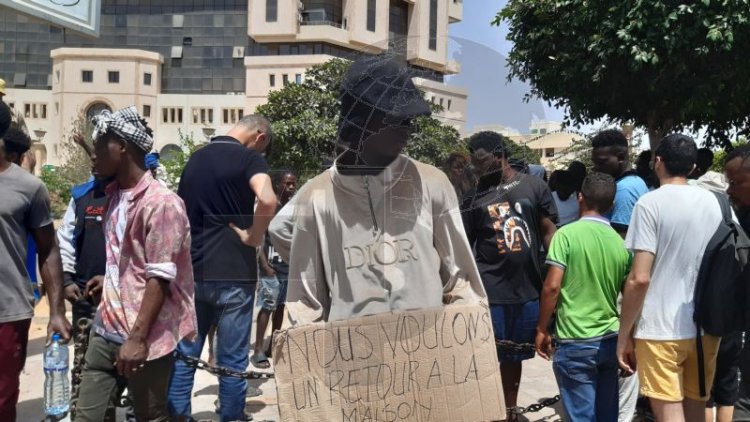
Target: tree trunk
[655, 134]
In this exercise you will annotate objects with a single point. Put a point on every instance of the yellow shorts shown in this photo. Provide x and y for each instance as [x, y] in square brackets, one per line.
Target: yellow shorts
[668, 370]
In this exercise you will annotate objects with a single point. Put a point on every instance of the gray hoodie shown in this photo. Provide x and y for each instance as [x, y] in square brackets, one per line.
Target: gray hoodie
[363, 245]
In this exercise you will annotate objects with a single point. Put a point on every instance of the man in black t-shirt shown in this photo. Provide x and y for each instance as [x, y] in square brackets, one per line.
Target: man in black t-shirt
[274, 277]
[507, 220]
[219, 185]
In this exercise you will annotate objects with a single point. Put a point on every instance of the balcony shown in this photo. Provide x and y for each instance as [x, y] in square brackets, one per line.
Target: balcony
[317, 17]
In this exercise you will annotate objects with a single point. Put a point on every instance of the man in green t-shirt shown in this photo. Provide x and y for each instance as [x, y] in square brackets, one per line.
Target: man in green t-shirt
[588, 264]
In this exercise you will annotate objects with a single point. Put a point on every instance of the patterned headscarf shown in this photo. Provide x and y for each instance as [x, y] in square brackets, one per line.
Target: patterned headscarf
[126, 124]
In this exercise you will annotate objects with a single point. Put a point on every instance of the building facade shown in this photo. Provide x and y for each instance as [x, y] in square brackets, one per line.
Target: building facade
[547, 138]
[198, 66]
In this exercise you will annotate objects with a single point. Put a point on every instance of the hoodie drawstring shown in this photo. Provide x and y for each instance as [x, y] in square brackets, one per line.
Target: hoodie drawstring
[375, 228]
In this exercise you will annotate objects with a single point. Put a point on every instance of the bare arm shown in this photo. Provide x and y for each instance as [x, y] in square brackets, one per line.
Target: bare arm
[548, 230]
[50, 266]
[267, 201]
[550, 293]
[135, 350]
[633, 295]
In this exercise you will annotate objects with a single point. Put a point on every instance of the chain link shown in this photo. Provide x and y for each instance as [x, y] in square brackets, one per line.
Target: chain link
[518, 410]
[515, 348]
[218, 370]
[80, 344]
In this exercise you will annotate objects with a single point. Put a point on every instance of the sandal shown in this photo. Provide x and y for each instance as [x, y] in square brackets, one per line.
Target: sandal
[260, 361]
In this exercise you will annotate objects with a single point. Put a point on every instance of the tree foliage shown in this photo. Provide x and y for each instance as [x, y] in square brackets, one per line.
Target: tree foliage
[664, 65]
[175, 163]
[305, 124]
[76, 168]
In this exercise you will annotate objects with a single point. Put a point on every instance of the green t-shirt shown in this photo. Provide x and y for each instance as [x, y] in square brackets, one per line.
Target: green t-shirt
[596, 263]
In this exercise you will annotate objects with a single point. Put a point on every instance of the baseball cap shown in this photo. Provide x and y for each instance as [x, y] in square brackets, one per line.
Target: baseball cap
[381, 86]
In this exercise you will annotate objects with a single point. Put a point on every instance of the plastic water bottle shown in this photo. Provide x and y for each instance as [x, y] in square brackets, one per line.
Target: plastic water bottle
[56, 383]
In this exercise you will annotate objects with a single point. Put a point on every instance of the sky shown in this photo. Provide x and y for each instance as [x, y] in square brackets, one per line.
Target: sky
[481, 49]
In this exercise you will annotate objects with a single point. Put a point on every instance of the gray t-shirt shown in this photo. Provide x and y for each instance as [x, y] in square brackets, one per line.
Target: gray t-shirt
[24, 206]
[675, 223]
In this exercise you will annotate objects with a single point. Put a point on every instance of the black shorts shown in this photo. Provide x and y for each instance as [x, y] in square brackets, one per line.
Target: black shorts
[726, 382]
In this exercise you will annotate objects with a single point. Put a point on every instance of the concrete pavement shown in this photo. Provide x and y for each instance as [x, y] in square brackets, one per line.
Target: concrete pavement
[537, 383]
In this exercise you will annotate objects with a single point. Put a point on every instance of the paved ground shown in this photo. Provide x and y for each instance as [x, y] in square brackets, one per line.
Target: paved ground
[537, 383]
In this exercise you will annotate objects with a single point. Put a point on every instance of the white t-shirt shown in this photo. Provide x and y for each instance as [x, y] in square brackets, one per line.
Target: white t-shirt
[567, 211]
[675, 223]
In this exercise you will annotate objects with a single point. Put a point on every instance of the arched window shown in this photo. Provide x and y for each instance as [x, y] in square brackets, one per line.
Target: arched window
[95, 109]
[169, 152]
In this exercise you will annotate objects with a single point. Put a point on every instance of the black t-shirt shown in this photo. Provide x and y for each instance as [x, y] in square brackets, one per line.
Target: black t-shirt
[502, 224]
[215, 187]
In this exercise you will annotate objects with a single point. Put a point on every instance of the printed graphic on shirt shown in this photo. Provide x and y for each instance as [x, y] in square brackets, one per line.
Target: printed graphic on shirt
[512, 233]
[93, 215]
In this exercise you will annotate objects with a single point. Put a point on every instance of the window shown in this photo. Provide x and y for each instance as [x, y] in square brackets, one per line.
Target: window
[549, 152]
[432, 100]
[35, 110]
[272, 80]
[433, 24]
[87, 76]
[113, 77]
[171, 115]
[187, 41]
[449, 103]
[177, 21]
[147, 79]
[232, 115]
[272, 10]
[371, 15]
[57, 76]
[12, 106]
[285, 79]
[202, 115]
[542, 131]
[441, 102]
[298, 79]
[146, 111]
[176, 52]
[19, 79]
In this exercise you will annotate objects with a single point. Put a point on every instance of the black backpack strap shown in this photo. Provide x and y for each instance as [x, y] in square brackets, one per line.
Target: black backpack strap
[726, 208]
[726, 213]
[701, 364]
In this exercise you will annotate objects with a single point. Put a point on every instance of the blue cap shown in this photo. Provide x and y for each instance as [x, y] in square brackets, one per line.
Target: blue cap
[152, 160]
[56, 337]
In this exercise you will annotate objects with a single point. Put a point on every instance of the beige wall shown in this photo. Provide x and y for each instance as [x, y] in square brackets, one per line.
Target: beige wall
[419, 36]
[169, 132]
[454, 101]
[259, 68]
[356, 36]
[357, 23]
[285, 26]
[71, 97]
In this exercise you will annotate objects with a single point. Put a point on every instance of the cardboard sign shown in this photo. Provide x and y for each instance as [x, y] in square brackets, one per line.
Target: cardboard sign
[429, 365]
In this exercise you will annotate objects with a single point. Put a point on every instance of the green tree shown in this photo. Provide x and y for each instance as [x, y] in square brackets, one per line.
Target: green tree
[580, 149]
[664, 65]
[76, 168]
[175, 163]
[305, 124]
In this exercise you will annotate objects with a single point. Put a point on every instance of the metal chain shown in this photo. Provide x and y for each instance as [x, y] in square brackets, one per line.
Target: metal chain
[80, 345]
[518, 410]
[516, 348]
[218, 370]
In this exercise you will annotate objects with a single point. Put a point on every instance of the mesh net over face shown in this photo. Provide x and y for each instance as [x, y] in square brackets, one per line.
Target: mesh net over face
[377, 93]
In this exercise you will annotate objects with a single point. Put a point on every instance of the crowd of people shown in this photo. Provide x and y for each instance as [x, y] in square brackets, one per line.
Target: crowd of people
[596, 269]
